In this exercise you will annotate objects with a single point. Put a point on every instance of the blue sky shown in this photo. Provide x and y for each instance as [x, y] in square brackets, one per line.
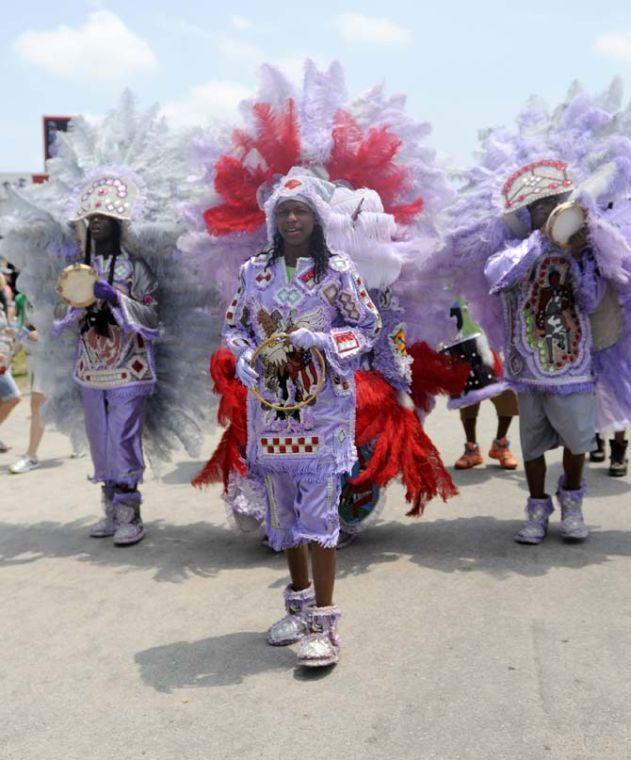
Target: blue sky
[463, 65]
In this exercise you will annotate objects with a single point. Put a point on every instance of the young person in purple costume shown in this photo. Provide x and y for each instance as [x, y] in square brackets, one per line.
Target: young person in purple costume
[302, 289]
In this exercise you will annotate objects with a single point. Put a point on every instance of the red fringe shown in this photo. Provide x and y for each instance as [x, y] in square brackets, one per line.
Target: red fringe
[402, 447]
[276, 138]
[228, 456]
[434, 373]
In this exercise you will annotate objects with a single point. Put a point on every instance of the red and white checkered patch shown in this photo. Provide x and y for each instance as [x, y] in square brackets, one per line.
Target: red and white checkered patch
[263, 279]
[291, 445]
[363, 294]
[307, 279]
[231, 309]
[346, 342]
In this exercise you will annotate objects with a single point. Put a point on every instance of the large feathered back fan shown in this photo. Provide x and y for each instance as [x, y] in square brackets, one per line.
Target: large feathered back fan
[38, 239]
[592, 135]
[363, 145]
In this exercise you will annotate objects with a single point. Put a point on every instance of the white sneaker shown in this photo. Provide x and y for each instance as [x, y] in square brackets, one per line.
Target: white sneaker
[24, 464]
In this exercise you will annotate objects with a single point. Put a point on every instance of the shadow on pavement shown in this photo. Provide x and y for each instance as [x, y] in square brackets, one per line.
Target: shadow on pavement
[176, 552]
[219, 661]
[183, 472]
[482, 545]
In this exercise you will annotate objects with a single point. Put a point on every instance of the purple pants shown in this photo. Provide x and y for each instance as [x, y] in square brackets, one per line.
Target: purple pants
[301, 510]
[113, 423]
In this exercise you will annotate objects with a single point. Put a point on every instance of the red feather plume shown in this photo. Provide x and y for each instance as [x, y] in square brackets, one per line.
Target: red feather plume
[228, 456]
[434, 373]
[368, 160]
[277, 141]
[402, 447]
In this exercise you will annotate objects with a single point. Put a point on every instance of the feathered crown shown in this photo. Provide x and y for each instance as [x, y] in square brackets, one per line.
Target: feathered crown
[534, 181]
[368, 144]
[112, 191]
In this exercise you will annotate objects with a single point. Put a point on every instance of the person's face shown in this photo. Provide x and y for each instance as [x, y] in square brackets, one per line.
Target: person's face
[102, 227]
[295, 222]
[540, 210]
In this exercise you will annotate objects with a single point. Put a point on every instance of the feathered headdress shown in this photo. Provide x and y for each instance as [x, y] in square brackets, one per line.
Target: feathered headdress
[365, 146]
[130, 167]
[582, 147]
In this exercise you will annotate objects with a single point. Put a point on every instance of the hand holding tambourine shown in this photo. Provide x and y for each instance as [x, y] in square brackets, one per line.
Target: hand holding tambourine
[76, 285]
[566, 226]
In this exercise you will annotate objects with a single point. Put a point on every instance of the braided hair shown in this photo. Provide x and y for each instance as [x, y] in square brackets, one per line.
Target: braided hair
[318, 250]
[117, 235]
[100, 318]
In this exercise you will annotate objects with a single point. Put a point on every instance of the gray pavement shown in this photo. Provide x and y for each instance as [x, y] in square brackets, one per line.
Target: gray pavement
[457, 643]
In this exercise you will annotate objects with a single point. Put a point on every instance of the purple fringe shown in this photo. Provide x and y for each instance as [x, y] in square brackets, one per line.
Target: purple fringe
[280, 540]
[73, 315]
[474, 397]
[129, 325]
[130, 479]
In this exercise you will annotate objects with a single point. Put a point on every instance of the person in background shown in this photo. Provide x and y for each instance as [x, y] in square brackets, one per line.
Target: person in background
[9, 391]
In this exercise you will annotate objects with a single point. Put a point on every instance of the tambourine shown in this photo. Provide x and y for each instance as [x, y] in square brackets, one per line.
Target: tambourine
[281, 338]
[565, 221]
[76, 285]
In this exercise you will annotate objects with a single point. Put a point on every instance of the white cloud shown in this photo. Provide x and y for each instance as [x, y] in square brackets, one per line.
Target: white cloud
[103, 48]
[241, 23]
[173, 24]
[217, 99]
[355, 27]
[615, 45]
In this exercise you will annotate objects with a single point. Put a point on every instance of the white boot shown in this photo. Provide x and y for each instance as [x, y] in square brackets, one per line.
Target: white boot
[293, 626]
[321, 647]
[573, 527]
[534, 530]
[129, 527]
[107, 526]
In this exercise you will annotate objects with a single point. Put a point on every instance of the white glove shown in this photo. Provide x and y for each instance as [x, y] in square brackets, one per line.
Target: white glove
[306, 339]
[246, 373]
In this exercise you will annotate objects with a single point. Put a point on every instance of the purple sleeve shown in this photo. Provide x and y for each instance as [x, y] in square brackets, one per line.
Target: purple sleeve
[359, 323]
[138, 312]
[513, 263]
[237, 333]
[71, 317]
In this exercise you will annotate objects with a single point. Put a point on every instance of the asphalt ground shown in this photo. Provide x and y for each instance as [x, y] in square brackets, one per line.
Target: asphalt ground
[457, 642]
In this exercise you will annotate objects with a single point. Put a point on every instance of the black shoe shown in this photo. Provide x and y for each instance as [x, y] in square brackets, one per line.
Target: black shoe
[618, 463]
[599, 454]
